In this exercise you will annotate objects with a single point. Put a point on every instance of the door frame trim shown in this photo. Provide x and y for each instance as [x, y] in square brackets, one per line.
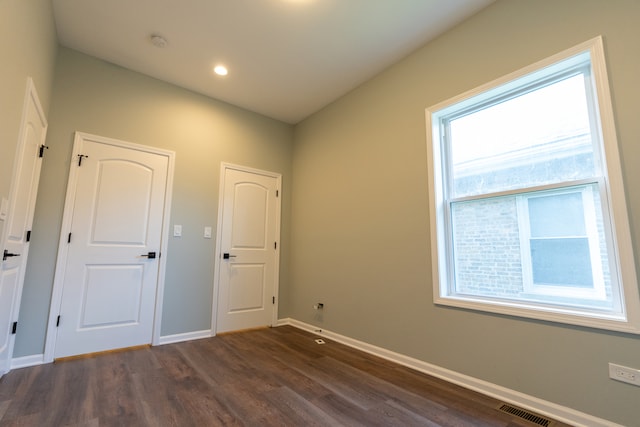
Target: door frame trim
[67, 217]
[31, 95]
[224, 166]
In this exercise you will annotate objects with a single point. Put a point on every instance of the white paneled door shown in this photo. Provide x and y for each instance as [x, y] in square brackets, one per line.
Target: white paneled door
[18, 217]
[248, 249]
[110, 274]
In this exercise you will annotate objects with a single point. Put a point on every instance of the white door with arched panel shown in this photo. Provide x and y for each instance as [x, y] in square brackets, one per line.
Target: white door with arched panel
[248, 249]
[109, 263]
[14, 245]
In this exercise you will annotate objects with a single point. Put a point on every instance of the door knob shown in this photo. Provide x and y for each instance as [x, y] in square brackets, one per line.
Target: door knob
[227, 256]
[6, 254]
[149, 255]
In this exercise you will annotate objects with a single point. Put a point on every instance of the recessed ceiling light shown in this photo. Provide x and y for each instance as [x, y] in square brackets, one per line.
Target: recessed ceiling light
[158, 41]
[220, 70]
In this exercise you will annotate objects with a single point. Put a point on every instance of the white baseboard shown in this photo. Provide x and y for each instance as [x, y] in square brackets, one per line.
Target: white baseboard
[187, 336]
[26, 361]
[543, 407]
[38, 359]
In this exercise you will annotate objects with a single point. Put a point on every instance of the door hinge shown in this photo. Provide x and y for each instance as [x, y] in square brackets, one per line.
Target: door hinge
[58, 321]
[275, 245]
[28, 238]
[69, 238]
[14, 328]
[273, 300]
[42, 148]
[277, 193]
[80, 157]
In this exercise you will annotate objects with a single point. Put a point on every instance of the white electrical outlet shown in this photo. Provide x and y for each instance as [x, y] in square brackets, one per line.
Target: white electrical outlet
[624, 374]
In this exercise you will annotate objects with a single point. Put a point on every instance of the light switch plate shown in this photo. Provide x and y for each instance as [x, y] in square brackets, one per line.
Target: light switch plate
[207, 232]
[4, 209]
[177, 231]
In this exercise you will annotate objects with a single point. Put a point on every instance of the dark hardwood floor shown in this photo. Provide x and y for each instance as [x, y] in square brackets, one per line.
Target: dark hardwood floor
[270, 377]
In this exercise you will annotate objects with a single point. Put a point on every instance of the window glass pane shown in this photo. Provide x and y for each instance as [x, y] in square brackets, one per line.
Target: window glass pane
[560, 215]
[495, 254]
[540, 137]
[564, 262]
[486, 247]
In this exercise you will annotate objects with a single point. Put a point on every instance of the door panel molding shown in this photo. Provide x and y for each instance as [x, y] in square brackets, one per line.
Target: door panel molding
[63, 247]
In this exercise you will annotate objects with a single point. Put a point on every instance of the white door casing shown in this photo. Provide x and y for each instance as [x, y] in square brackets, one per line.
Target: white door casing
[246, 282]
[22, 200]
[108, 283]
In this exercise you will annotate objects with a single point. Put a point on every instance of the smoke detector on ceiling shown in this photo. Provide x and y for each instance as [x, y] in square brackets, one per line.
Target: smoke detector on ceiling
[158, 41]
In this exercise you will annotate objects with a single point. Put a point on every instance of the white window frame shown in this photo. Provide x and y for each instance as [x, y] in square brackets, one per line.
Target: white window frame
[625, 316]
[598, 291]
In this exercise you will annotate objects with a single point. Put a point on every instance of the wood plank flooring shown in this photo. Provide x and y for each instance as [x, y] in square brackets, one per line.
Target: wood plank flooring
[270, 377]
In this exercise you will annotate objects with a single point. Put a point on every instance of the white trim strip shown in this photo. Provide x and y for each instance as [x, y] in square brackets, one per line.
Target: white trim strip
[26, 361]
[187, 336]
[38, 359]
[543, 407]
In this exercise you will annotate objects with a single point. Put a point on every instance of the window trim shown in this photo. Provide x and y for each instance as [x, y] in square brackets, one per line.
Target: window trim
[613, 200]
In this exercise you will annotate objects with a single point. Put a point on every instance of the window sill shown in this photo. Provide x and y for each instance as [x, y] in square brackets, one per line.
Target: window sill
[568, 316]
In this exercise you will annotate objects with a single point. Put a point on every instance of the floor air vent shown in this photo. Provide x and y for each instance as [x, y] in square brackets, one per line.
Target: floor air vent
[526, 415]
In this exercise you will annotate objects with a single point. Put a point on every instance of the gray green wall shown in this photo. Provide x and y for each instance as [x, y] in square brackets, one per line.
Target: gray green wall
[100, 98]
[27, 48]
[360, 220]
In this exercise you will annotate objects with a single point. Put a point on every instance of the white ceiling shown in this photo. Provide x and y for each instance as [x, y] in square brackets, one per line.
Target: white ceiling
[286, 58]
